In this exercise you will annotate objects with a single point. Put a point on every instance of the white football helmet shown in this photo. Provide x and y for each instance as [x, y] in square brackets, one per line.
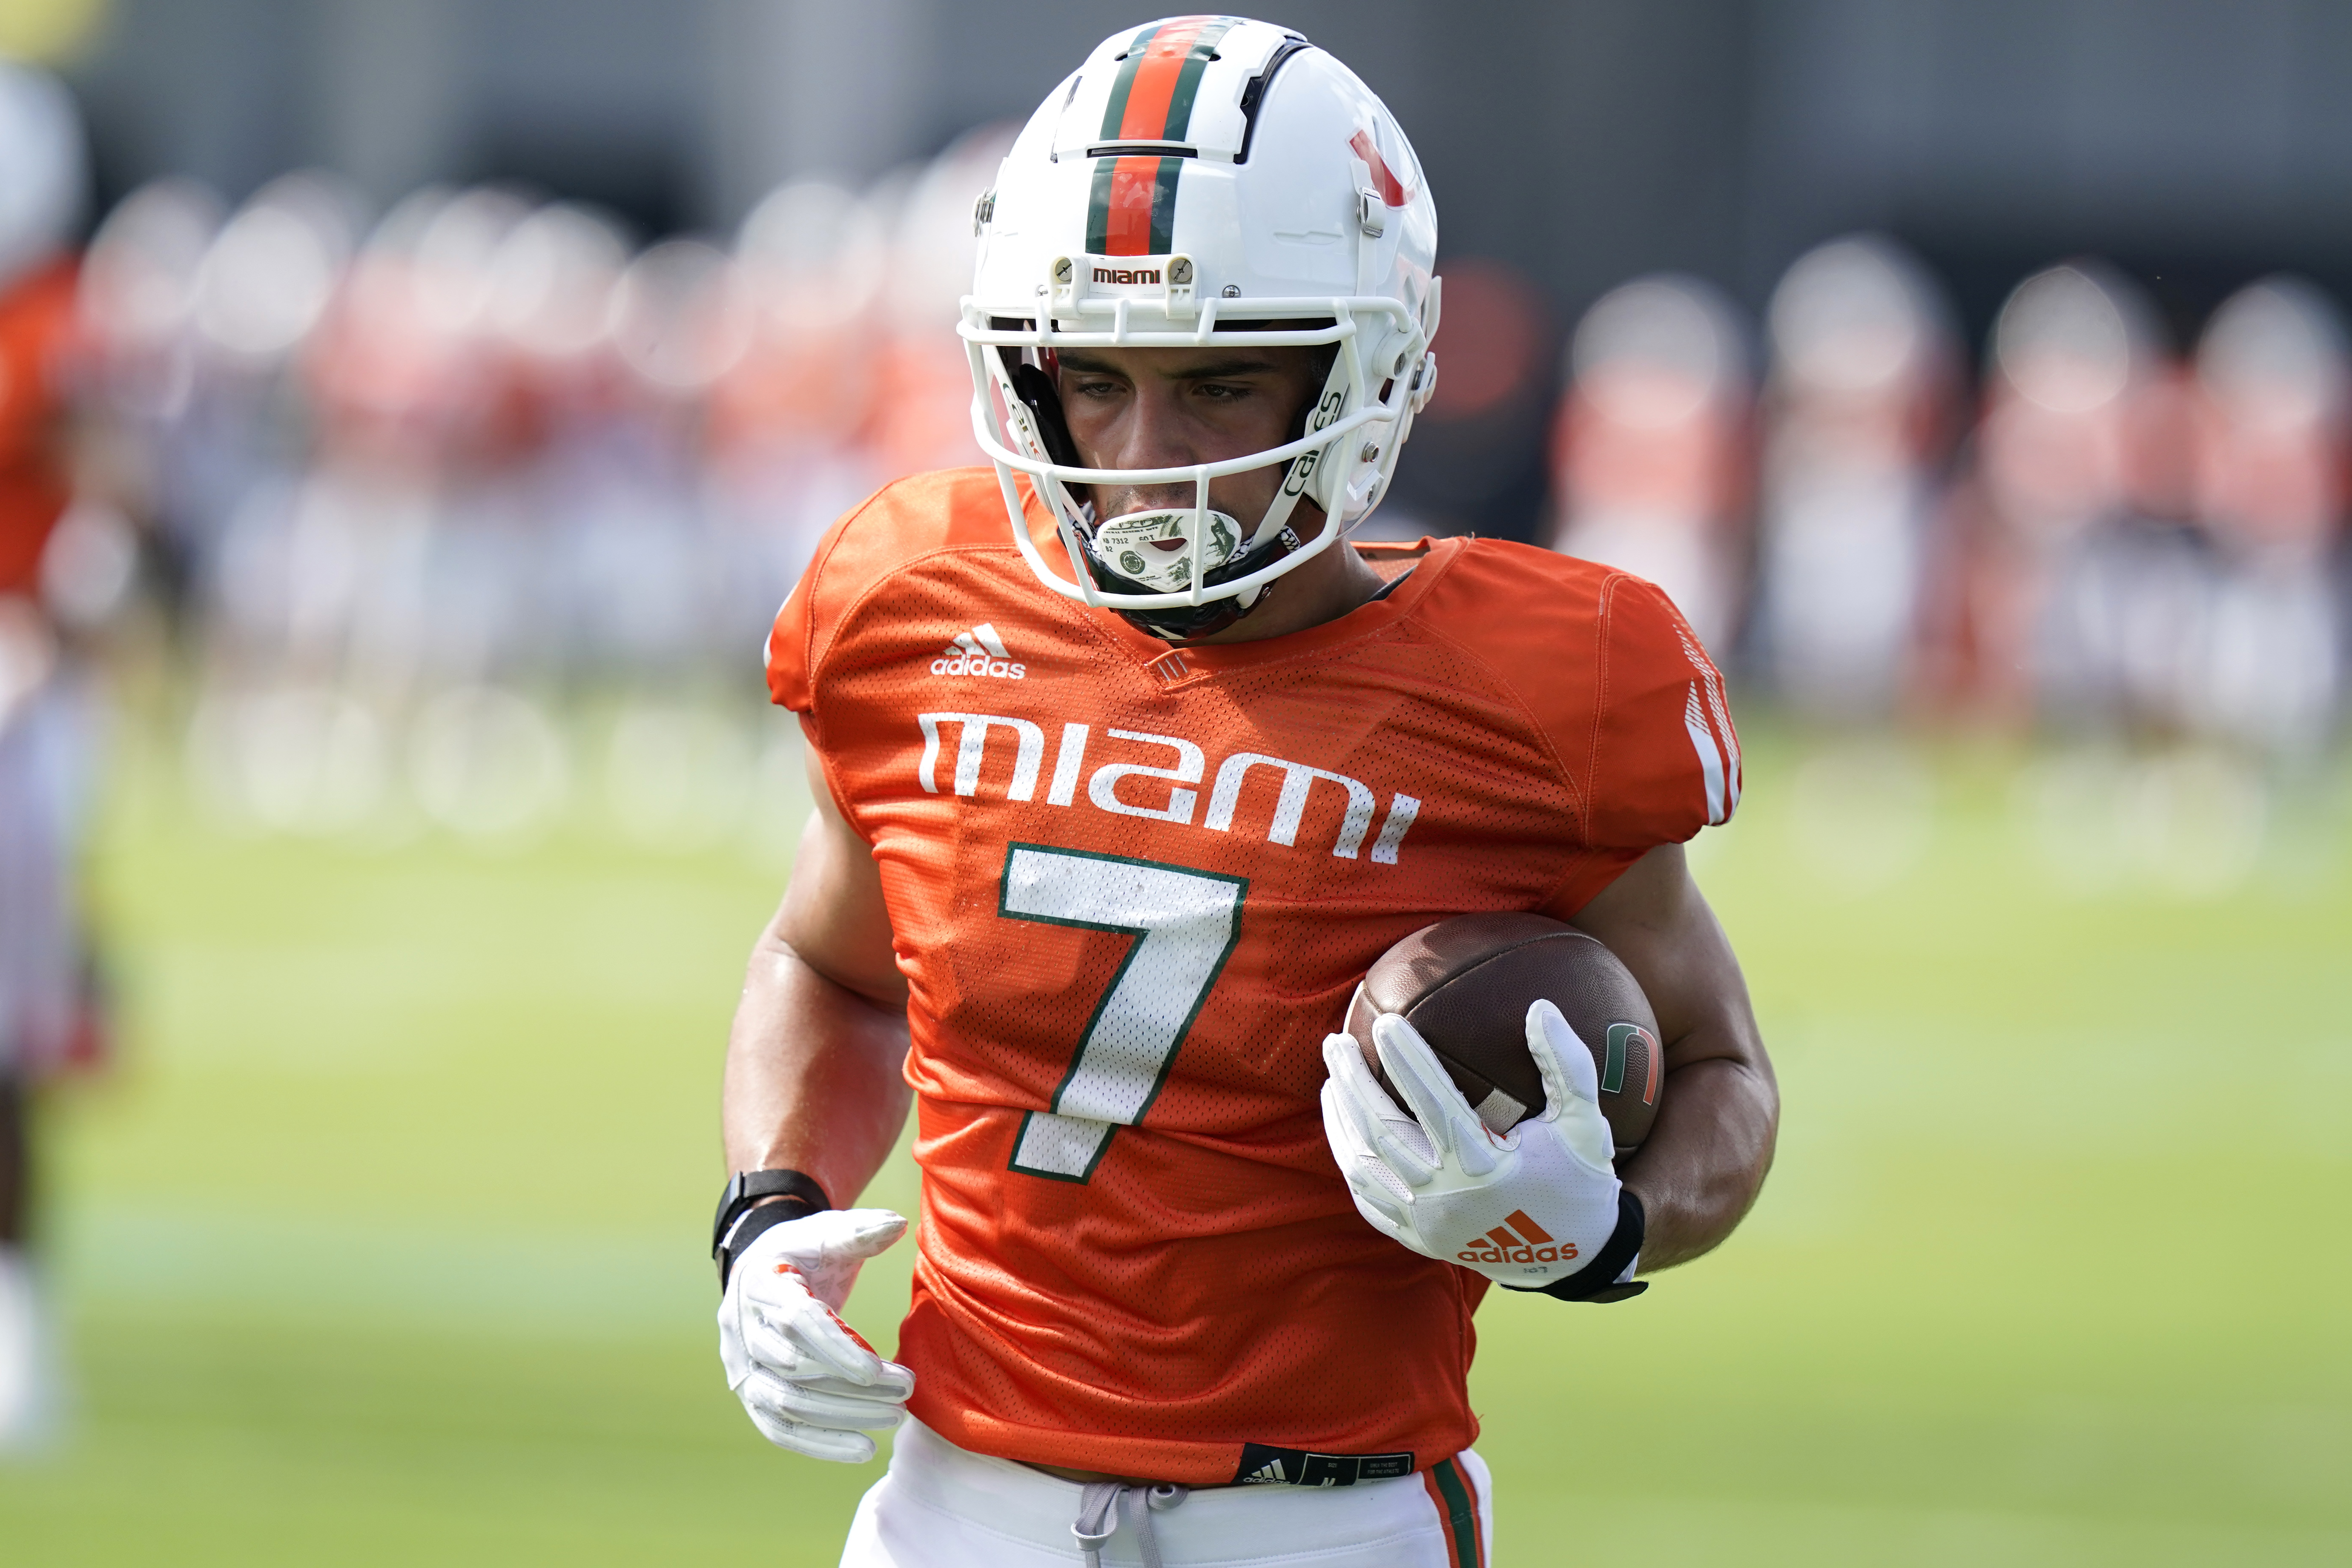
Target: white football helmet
[43, 165]
[1196, 180]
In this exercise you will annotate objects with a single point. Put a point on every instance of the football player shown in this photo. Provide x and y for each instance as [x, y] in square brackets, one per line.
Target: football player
[41, 729]
[1128, 764]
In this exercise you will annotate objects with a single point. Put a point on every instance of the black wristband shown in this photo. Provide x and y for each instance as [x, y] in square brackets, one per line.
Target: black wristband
[744, 1213]
[1597, 1280]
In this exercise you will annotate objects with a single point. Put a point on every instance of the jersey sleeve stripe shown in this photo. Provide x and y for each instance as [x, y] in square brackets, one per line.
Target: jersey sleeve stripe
[1720, 711]
[1726, 734]
[1711, 762]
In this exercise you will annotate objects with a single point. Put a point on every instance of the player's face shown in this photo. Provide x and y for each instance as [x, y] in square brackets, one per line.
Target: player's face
[1157, 408]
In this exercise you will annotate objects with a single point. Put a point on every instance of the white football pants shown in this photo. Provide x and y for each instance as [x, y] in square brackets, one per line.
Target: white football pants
[941, 1507]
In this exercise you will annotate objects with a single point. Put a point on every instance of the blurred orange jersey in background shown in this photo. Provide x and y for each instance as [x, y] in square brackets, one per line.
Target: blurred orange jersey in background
[36, 316]
[1132, 888]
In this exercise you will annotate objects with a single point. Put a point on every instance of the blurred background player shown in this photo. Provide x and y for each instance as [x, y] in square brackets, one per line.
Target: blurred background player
[135, 389]
[1857, 417]
[1649, 446]
[2267, 450]
[460, 510]
[459, 506]
[2074, 348]
[49, 588]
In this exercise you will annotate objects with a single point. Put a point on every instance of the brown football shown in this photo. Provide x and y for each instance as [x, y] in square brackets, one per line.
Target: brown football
[1467, 984]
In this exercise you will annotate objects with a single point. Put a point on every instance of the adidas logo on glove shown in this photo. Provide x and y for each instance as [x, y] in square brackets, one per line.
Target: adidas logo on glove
[978, 651]
[1530, 1244]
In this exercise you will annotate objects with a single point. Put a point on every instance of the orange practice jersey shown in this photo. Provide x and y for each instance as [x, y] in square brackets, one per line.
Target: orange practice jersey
[1131, 889]
[36, 320]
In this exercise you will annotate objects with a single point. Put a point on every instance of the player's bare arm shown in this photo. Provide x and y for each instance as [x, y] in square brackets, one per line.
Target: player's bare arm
[813, 1099]
[1705, 1158]
[814, 1077]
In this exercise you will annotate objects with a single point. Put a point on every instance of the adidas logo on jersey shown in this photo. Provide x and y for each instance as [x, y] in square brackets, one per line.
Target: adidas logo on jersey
[978, 651]
[1530, 1243]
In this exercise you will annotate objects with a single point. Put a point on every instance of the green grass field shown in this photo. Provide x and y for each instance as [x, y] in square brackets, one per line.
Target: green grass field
[386, 1246]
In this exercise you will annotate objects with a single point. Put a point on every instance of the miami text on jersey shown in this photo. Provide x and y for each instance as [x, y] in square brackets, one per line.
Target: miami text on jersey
[1298, 780]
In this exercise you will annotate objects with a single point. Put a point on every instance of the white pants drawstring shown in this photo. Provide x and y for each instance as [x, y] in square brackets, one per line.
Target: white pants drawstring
[1104, 1503]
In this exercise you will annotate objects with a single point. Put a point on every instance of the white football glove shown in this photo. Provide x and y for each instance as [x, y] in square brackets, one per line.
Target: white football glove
[809, 1382]
[1530, 1209]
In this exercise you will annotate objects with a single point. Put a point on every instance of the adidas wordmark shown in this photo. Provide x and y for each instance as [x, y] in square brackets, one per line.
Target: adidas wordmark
[978, 651]
[1528, 1243]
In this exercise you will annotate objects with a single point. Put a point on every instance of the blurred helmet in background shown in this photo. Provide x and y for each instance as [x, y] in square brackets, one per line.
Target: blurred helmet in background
[2071, 347]
[680, 316]
[1652, 473]
[2074, 338]
[812, 253]
[2275, 354]
[551, 283]
[1858, 317]
[1195, 182]
[453, 256]
[268, 276]
[44, 166]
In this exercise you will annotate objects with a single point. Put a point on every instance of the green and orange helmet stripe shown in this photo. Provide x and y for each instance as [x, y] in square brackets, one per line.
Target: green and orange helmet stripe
[1132, 211]
[1133, 207]
[1151, 101]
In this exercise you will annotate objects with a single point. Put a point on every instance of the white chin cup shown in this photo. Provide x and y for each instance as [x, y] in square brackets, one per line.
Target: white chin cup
[1155, 548]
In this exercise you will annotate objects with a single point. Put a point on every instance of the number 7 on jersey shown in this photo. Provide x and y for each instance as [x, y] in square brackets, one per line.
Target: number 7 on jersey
[1185, 925]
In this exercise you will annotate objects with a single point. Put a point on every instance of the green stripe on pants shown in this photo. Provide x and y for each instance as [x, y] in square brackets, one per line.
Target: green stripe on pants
[1461, 1513]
